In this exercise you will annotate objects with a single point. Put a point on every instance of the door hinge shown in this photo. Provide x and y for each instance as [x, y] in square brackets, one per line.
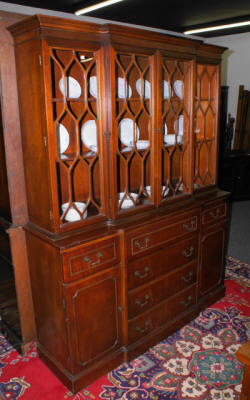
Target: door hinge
[64, 304]
[45, 141]
[40, 60]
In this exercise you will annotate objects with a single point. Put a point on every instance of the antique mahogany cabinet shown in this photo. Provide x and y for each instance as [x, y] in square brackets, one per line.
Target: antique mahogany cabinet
[127, 227]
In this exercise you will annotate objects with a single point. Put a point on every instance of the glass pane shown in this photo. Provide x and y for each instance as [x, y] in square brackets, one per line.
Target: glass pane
[74, 98]
[205, 125]
[133, 116]
[175, 126]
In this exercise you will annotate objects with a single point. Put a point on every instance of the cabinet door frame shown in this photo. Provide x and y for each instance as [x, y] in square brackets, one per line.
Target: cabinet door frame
[50, 140]
[71, 292]
[206, 232]
[207, 62]
[161, 54]
[112, 50]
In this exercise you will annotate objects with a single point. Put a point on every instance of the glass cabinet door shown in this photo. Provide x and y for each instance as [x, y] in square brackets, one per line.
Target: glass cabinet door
[133, 93]
[175, 125]
[74, 86]
[205, 128]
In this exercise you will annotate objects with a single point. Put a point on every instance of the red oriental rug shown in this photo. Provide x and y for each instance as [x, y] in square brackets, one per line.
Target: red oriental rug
[197, 362]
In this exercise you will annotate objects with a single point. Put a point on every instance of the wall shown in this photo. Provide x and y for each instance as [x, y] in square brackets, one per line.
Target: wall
[235, 65]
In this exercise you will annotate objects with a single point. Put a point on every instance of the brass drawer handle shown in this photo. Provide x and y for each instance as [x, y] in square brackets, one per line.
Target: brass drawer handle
[146, 271]
[93, 264]
[215, 214]
[142, 330]
[191, 227]
[188, 302]
[139, 303]
[140, 246]
[188, 278]
[188, 252]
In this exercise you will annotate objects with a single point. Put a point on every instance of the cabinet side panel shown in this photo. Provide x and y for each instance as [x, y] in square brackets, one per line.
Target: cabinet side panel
[32, 115]
[46, 285]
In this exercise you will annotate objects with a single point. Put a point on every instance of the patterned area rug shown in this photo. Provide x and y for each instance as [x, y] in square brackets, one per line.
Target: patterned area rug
[197, 362]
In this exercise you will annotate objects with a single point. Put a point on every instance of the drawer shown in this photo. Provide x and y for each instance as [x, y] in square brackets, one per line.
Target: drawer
[161, 262]
[142, 299]
[152, 237]
[215, 212]
[162, 314]
[90, 258]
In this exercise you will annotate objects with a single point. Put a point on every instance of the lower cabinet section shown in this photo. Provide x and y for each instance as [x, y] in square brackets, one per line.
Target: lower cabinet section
[102, 301]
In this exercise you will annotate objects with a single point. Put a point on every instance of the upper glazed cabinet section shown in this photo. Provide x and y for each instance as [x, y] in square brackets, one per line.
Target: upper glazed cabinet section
[113, 121]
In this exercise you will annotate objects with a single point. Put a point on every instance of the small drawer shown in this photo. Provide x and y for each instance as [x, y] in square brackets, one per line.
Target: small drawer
[215, 212]
[161, 314]
[142, 299]
[90, 258]
[161, 262]
[149, 238]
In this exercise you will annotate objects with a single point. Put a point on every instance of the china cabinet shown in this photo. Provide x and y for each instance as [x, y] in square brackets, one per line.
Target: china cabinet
[126, 225]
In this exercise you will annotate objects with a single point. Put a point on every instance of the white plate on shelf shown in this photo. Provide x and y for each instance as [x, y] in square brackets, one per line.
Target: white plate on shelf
[180, 125]
[62, 138]
[165, 89]
[148, 189]
[93, 86]
[126, 135]
[178, 88]
[127, 202]
[146, 88]
[73, 87]
[169, 140]
[165, 129]
[163, 188]
[72, 214]
[142, 144]
[120, 88]
[89, 135]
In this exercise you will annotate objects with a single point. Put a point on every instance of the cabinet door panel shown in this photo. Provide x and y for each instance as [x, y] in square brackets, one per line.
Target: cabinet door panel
[94, 318]
[175, 126]
[132, 108]
[212, 258]
[206, 125]
[73, 104]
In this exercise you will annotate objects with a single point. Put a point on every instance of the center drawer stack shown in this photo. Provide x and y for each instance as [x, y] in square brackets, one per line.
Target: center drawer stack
[161, 274]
